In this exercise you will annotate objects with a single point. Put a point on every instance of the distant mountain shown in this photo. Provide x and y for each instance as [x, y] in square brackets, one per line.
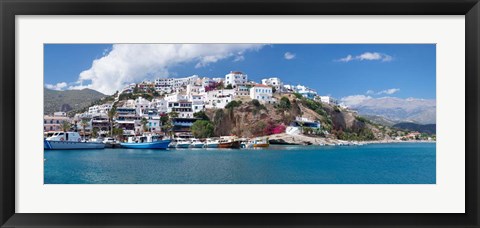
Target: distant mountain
[380, 120]
[420, 111]
[68, 100]
[424, 128]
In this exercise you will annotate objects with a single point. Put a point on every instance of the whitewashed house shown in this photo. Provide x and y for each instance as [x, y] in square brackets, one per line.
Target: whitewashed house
[273, 82]
[262, 93]
[235, 78]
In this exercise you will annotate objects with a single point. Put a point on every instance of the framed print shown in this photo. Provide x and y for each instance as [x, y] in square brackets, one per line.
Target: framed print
[239, 114]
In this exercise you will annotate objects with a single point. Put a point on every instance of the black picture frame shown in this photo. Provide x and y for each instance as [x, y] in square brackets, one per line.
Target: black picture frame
[10, 8]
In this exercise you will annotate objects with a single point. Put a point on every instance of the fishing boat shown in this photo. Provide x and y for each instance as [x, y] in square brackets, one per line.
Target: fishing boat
[229, 142]
[211, 143]
[183, 143]
[69, 141]
[196, 143]
[260, 143]
[110, 143]
[146, 142]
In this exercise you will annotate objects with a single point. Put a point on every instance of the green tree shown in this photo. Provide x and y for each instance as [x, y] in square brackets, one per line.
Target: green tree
[118, 132]
[144, 123]
[229, 86]
[94, 132]
[65, 126]
[201, 115]
[112, 113]
[202, 129]
[84, 123]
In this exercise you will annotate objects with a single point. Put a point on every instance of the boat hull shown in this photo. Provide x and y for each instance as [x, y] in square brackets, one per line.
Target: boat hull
[213, 145]
[261, 145]
[68, 145]
[235, 145]
[200, 145]
[183, 145]
[149, 145]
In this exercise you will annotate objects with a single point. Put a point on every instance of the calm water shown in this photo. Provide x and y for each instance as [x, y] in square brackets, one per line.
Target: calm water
[404, 163]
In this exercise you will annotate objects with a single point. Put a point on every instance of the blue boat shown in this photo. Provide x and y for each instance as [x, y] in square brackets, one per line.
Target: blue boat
[162, 144]
[146, 142]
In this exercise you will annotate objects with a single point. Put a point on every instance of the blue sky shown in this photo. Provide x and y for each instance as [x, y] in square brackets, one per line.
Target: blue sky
[339, 70]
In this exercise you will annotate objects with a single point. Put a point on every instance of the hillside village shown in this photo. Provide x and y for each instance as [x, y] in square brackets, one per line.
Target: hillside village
[233, 105]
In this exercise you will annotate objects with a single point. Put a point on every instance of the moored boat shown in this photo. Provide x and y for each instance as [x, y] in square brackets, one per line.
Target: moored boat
[69, 141]
[183, 143]
[260, 143]
[146, 142]
[196, 143]
[229, 142]
[211, 143]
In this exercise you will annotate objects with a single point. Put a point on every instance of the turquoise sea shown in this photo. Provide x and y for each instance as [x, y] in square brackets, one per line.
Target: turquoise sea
[401, 163]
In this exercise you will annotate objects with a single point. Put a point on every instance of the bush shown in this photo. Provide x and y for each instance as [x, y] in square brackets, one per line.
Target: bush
[233, 104]
[201, 115]
[255, 103]
[297, 95]
[229, 87]
[284, 104]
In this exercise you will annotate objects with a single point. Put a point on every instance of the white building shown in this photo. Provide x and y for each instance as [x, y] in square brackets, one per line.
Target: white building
[303, 90]
[141, 104]
[235, 78]
[219, 98]
[160, 105]
[273, 82]
[100, 109]
[327, 99]
[262, 93]
[242, 91]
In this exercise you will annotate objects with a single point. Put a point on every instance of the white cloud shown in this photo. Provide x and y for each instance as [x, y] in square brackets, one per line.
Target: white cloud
[370, 92]
[389, 91]
[127, 63]
[369, 56]
[346, 59]
[354, 99]
[58, 86]
[239, 58]
[289, 56]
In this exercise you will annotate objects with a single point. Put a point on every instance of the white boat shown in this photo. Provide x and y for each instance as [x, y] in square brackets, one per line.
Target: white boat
[173, 144]
[69, 141]
[183, 143]
[211, 143]
[196, 143]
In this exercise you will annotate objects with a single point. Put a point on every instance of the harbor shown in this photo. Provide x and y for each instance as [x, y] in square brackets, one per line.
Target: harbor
[405, 163]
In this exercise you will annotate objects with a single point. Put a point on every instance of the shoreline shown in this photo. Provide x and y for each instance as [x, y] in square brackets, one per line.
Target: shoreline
[286, 139]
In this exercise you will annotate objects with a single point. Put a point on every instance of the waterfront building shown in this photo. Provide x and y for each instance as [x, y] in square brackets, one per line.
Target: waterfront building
[262, 93]
[296, 127]
[236, 78]
[273, 82]
[54, 122]
[128, 120]
[154, 124]
[101, 123]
